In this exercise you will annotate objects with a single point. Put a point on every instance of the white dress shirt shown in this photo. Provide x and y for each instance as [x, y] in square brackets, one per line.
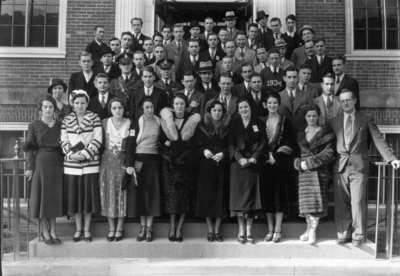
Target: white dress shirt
[88, 76]
[148, 91]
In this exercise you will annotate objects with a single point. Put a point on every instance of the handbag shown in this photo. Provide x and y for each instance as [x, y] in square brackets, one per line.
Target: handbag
[78, 147]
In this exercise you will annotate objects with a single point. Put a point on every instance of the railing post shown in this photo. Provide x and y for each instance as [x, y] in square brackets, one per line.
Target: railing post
[389, 214]
[2, 208]
[16, 238]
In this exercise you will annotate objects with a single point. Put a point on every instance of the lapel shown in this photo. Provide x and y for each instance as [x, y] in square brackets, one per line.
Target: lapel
[357, 124]
[336, 106]
[232, 104]
[81, 79]
[155, 94]
[286, 101]
[321, 105]
[343, 83]
[298, 100]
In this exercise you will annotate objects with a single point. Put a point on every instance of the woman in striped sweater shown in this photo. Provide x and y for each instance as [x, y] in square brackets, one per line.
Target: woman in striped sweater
[81, 138]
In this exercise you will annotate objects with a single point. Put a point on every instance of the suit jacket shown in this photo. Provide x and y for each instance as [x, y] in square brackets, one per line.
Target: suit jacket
[113, 73]
[260, 109]
[138, 45]
[258, 68]
[96, 107]
[284, 65]
[159, 95]
[237, 68]
[234, 34]
[317, 72]
[186, 64]
[203, 45]
[78, 81]
[293, 43]
[219, 54]
[364, 125]
[263, 38]
[255, 43]
[95, 49]
[196, 103]
[149, 61]
[232, 106]
[171, 51]
[294, 113]
[213, 91]
[352, 85]
[250, 56]
[299, 54]
[311, 90]
[336, 109]
[170, 89]
[123, 90]
[239, 90]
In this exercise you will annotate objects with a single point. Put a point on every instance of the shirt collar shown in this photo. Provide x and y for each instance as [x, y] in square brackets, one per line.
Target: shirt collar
[341, 76]
[291, 34]
[104, 95]
[137, 35]
[325, 97]
[221, 95]
[293, 92]
[205, 84]
[99, 43]
[272, 68]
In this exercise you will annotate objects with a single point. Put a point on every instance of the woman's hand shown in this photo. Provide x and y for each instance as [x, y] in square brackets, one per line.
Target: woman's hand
[208, 154]
[29, 174]
[271, 159]
[77, 156]
[218, 157]
[303, 166]
[253, 160]
[130, 170]
[243, 161]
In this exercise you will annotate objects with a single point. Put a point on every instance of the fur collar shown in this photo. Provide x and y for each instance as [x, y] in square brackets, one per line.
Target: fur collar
[169, 127]
[210, 127]
[322, 137]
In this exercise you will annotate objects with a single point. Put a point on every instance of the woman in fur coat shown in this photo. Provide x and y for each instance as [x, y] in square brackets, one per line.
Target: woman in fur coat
[317, 152]
[213, 181]
[178, 149]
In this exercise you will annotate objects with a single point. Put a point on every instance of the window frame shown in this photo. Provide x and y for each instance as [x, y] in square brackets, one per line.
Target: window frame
[43, 52]
[351, 53]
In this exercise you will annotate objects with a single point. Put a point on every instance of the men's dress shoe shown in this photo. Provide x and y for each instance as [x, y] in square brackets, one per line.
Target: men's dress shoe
[357, 242]
[343, 241]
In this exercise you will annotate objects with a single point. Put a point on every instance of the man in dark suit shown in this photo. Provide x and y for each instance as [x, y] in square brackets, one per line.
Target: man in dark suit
[159, 95]
[226, 97]
[206, 85]
[166, 82]
[83, 79]
[262, 57]
[227, 66]
[242, 89]
[208, 26]
[194, 30]
[177, 49]
[309, 48]
[294, 101]
[304, 85]
[107, 66]
[256, 96]
[196, 99]
[190, 62]
[138, 37]
[223, 36]
[214, 54]
[115, 45]
[320, 64]
[98, 104]
[166, 32]
[244, 53]
[230, 20]
[291, 36]
[351, 167]
[307, 33]
[263, 31]
[125, 85]
[138, 61]
[230, 50]
[148, 47]
[252, 39]
[344, 81]
[126, 42]
[97, 46]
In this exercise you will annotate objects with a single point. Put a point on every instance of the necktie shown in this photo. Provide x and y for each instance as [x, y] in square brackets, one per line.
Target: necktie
[275, 70]
[193, 61]
[166, 83]
[223, 46]
[337, 80]
[303, 88]
[165, 42]
[241, 53]
[103, 103]
[135, 41]
[225, 101]
[212, 54]
[140, 73]
[291, 97]
[257, 99]
[251, 43]
[248, 88]
[148, 57]
[321, 60]
[276, 36]
[264, 64]
[106, 69]
[208, 87]
[329, 102]
[179, 48]
[348, 131]
[126, 79]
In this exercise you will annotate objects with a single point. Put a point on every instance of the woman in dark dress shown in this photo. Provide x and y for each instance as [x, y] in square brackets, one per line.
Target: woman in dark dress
[280, 144]
[213, 181]
[247, 149]
[317, 152]
[44, 162]
[143, 149]
[180, 164]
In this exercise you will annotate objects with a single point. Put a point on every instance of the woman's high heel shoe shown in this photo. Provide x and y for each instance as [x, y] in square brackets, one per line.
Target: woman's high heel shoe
[149, 234]
[88, 239]
[269, 236]
[277, 237]
[55, 240]
[305, 236]
[119, 238]
[179, 238]
[171, 238]
[47, 241]
[76, 239]
[142, 234]
[111, 238]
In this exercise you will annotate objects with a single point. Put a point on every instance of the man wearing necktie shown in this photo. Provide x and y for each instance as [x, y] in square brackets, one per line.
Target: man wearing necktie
[263, 31]
[208, 26]
[223, 36]
[177, 49]
[138, 60]
[291, 36]
[97, 45]
[230, 21]
[115, 45]
[307, 33]
[344, 81]
[320, 64]
[126, 42]
[166, 32]
[262, 57]
[243, 52]
[107, 66]
[256, 96]
[148, 47]
[99, 103]
[194, 30]
[207, 85]
[166, 82]
[252, 40]
[196, 99]
[242, 89]
[190, 62]
[138, 37]
[351, 167]
[159, 95]
[272, 75]
[304, 85]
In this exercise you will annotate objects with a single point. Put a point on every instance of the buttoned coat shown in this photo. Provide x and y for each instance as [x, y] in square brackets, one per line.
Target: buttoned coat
[171, 51]
[232, 106]
[159, 95]
[196, 102]
[336, 109]
[250, 56]
[317, 71]
[351, 84]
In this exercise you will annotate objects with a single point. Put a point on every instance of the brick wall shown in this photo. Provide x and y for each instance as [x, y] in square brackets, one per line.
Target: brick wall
[21, 113]
[82, 16]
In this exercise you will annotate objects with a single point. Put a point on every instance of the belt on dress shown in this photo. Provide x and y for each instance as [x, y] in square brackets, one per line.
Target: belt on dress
[115, 151]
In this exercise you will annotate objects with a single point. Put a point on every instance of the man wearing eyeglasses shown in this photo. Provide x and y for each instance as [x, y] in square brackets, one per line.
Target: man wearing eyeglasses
[351, 167]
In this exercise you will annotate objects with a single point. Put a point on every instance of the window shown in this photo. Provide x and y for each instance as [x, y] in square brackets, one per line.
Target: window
[372, 29]
[33, 28]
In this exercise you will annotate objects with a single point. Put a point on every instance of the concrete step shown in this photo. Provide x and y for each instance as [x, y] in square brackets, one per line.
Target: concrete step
[200, 266]
[197, 229]
[200, 248]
